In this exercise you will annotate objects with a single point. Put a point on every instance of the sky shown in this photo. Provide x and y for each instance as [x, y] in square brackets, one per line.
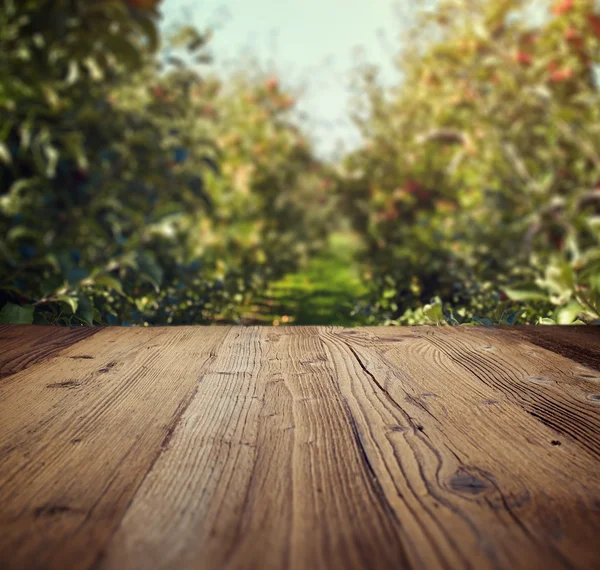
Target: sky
[311, 44]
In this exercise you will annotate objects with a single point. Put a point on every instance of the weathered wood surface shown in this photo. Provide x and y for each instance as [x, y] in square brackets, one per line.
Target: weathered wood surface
[298, 447]
[20, 346]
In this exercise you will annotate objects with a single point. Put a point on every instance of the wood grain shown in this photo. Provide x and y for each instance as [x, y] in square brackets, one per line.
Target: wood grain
[464, 459]
[300, 447]
[78, 436]
[553, 390]
[22, 346]
[272, 473]
[575, 342]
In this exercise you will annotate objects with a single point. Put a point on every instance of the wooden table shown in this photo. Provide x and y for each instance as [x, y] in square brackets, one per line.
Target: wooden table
[305, 448]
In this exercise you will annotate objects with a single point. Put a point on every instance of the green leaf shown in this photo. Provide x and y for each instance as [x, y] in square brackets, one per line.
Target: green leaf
[22, 232]
[73, 73]
[176, 62]
[94, 69]
[125, 51]
[22, 184]
[434, 311]
[212, 164]
[16, 315]
[109, 282]
[514, 317]
[52, 157]
[150, 270]
[527, 293]
[97, 317]
[203, 58]
[71, 302]
[150, 31]
[5, 154]
[85, 310]
[559, 280]
[566, 315]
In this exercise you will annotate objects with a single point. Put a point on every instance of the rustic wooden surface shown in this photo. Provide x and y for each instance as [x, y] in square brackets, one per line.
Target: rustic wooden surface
[302, 448]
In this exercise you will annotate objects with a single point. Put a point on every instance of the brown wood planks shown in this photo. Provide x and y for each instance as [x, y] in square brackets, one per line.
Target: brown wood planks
[78, 436]
[459, 453]
[24, 345]
[302, 448]
[576, 342]
[272, 474]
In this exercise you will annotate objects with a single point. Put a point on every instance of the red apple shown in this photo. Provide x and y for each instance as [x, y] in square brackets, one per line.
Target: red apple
[561, 75]
[272, 84]
[562, 7]
[594, 22]
[523, 58]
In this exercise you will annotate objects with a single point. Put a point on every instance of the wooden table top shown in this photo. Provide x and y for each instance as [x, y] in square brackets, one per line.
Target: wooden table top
[313, 448]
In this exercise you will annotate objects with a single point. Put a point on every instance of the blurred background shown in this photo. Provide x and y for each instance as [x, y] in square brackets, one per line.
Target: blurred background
[261, 162]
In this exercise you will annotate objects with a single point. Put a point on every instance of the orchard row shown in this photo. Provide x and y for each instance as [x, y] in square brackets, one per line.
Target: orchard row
[136, 187]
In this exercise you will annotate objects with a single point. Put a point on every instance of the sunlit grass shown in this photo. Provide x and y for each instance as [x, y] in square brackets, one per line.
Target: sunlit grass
[325, 292]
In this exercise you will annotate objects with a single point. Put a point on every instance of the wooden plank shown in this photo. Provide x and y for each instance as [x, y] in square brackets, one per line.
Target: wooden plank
[22, 346]
[474, 478]
[78, 436]
[554, 390]
[265, 472]
[298, 447]
[581, 344]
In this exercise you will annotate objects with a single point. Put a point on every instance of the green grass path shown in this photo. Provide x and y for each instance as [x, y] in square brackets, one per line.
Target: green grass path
[324, 293]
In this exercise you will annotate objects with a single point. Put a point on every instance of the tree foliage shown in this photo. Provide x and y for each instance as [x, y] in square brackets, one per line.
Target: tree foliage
[478, 188]
[133, 189]
[140, 186]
